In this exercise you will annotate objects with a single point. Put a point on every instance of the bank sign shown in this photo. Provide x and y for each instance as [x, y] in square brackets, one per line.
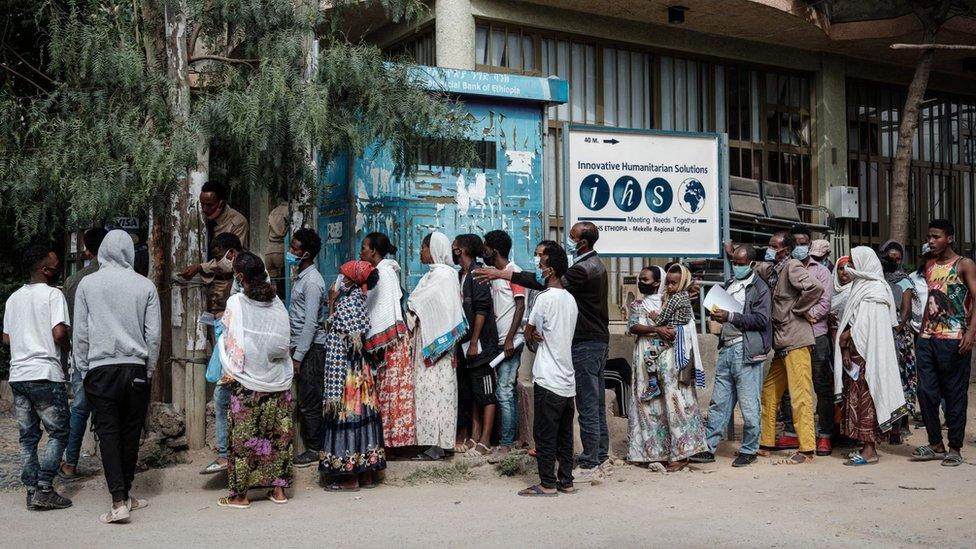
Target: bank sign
[651, 193]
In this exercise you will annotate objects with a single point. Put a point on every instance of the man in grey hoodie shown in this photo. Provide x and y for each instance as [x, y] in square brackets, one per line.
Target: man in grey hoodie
[116, 345]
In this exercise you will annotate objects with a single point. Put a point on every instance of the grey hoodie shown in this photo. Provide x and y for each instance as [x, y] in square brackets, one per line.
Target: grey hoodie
[117, 318]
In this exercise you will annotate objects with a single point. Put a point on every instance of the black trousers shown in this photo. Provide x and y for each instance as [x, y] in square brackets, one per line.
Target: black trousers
[310, 387]
[552, 429]
[943, 374]
[119, 398]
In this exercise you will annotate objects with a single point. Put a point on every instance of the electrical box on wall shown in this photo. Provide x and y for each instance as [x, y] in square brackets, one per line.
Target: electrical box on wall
[844, 202]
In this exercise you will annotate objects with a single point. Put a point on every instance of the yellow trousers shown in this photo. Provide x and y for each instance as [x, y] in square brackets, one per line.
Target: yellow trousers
[793, 372]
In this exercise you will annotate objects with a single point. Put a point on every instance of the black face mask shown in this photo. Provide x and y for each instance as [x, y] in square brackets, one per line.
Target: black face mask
[456, 258]
[646, 289]
[489, 257]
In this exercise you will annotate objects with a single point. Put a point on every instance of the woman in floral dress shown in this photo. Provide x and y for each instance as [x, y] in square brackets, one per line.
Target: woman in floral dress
[254, 352]
[352, 430]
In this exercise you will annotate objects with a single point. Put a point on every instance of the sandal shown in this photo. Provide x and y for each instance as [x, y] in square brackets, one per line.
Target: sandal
[275, 500]
[798, 458]
[478, 451]
[336, 487]
[225, 502]
[857, 460]
[465, 446]
[676, 466]
[952, 459]
[537, 491]
[926, 453]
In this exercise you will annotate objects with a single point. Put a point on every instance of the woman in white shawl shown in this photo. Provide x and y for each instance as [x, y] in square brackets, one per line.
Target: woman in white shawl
[388, 342]
[866, 375]
[437, 323]
[253, 350]
[667, 429]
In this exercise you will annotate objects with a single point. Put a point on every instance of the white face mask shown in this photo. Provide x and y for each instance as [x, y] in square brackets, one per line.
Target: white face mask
[225, 264]
[535, 261]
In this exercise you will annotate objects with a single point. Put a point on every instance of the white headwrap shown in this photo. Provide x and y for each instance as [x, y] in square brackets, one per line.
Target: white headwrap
[255, 343]
[383, 305]
[436, 301]
[870, 314]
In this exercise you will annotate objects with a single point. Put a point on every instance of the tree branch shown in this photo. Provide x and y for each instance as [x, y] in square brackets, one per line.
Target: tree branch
[222, 59]
[193, 39]
[932, 47]
[28, 65]
[6, 66]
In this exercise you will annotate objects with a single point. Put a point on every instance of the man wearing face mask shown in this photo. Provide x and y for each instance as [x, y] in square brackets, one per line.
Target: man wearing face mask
[794, 293]
[587, 281]
[745, 341]
[220, 219]
[37, 329]
[821, 354]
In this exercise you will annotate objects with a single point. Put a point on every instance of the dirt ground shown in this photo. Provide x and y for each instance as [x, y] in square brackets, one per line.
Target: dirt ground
[824, 504]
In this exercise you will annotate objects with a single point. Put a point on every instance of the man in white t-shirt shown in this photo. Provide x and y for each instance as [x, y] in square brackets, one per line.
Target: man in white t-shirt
[508, 300]
[551, 327]
[36, 327]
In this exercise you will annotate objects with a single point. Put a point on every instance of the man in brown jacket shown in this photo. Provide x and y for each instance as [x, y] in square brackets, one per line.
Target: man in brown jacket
[795, 292]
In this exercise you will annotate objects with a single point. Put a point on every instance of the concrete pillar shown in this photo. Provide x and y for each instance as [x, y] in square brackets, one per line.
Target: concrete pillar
[454, 34]
[259, 208]
[831, 89]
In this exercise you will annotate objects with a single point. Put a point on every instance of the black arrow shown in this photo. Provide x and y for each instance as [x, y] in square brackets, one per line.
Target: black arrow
[611, 141]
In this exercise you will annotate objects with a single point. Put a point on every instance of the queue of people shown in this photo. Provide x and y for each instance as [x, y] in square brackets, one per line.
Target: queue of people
[380, 375]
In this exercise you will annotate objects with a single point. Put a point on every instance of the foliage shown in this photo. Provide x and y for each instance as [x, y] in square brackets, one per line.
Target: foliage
[514, 465]
[85, 125]
[457, 471]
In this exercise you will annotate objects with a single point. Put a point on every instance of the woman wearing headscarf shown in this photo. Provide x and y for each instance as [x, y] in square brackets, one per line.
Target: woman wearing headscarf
[438, 323]
[253, 350]
[865, 363]
[352, 430]
[903, 291]
[666, 428]
[388, 343]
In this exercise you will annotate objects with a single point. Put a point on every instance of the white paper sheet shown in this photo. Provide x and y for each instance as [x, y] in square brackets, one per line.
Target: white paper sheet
[517, 342]
[718, 298]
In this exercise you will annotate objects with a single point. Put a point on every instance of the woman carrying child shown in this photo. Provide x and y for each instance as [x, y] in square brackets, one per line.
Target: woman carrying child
[665, 421]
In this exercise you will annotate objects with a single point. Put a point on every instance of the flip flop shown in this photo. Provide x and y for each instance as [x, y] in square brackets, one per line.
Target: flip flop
[478, 451]
[926, 453]
[795, 459]
[225, 502]
[536, 491]
[858, 460]
[274, 500]
[336, 487]
[567, 489]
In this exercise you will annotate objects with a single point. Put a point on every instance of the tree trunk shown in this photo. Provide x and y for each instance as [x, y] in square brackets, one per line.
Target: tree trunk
[903, 154]
[187, 241]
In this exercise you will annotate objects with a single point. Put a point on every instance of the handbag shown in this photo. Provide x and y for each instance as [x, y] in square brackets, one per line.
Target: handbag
[214, 368]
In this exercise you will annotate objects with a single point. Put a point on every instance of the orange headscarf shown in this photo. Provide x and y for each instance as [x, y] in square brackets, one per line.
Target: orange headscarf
[357, 271]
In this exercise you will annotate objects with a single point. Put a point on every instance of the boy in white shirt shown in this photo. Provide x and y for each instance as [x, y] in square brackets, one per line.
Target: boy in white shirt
[36, 327]
[551, 327]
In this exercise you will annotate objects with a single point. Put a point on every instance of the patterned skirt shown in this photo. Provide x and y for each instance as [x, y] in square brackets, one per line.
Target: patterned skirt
[907, 368]
[352, 431]
[436, 398]
[396, 395]
[259, 427]
[859, 420]
[669, 427]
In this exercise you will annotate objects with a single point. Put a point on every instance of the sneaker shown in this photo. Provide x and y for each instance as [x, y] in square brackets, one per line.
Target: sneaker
[743, 460]
[306, 459]
[48, 498]
[134, 504]
[30, 500]
[117, 514]
[787, 442]
[583, 474]
[607, 467]
[702, 457]
[823, 447]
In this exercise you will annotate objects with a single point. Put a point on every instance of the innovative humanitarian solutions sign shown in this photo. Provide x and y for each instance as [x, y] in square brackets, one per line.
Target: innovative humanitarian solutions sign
[651, 193]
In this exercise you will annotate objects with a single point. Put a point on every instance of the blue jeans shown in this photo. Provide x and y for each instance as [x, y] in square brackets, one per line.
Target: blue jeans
[40, 402]
[79, 419]
[507, 397]
[221, 408]
[735, 380]
[589, 362]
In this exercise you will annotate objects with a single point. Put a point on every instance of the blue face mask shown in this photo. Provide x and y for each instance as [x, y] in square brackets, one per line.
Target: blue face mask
[770, 254]
[801, 252]
[741, 272]
[539, 278]
[571, 248]
[292, 260]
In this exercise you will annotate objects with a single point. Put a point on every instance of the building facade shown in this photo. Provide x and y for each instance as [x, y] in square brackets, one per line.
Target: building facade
[804, 102]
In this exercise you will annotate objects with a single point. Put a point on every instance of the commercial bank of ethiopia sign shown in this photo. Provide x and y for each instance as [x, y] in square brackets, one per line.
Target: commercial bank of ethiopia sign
[649, 192]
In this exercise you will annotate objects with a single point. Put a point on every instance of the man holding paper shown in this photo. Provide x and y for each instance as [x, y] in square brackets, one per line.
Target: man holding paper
[746, 338]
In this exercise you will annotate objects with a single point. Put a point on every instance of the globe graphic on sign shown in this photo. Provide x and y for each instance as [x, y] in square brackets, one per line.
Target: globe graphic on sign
[692, 196]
